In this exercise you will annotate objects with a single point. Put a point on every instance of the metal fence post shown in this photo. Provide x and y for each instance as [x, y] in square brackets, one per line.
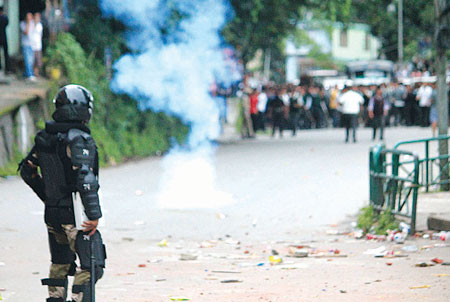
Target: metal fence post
[415, 194]
[395, 166]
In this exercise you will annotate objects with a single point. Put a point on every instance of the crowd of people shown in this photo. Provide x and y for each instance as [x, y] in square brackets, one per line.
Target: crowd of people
[294, 107]
[31, 38]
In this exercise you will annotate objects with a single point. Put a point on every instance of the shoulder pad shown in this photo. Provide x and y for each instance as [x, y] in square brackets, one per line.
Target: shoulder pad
[44, 140]
[74, 133]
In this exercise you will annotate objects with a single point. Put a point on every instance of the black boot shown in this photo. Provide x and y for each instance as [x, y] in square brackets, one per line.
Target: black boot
[85, 289]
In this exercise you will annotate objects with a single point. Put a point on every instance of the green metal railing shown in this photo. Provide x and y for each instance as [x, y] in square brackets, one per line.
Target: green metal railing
[397, 175]
[428, 163]
[394, 182]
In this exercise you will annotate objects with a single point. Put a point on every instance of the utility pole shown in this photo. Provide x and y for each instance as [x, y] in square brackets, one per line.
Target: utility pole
[400, 31]
[442, 43]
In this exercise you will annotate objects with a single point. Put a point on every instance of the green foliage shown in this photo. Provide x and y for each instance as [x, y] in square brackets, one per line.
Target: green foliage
[386, 221]
[264, 24]
[240, 119]
[366, 219]
[260, 24]
[96, 33]
[369, 220]
[321, 59]
[11, 166]
[418, 22]
[120, 129]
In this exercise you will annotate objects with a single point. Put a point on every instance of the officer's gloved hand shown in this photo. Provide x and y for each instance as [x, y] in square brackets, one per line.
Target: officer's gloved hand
[90, 226]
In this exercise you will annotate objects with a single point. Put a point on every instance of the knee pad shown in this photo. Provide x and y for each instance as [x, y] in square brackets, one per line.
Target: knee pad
[55, 283]
[83, 249]
[61, 253]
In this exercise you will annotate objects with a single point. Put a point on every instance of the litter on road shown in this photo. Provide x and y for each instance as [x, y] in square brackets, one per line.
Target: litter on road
[231, 281]
[420, 286]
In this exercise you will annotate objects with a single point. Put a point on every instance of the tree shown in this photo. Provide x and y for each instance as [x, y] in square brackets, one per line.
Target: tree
[260, 24]
[381, 15]
[264, 24]
[442, 44]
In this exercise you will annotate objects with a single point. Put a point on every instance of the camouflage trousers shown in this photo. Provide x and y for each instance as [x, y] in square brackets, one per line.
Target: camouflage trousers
[65, 236]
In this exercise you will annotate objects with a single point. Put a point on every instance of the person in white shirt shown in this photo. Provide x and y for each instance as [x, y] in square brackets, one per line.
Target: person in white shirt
[26, 28]
[262, 105]
[424, 96]
[36, 43]
[351, 102]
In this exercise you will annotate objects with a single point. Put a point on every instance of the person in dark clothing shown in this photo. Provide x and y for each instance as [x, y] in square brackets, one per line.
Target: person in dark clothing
[277, 113]
[378, 110]
[3, 38]
[315, 107]
[324, 102]
[67, 182]
[410, 106]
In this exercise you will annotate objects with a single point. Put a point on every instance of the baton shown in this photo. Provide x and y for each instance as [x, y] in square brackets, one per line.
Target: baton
[93, 264]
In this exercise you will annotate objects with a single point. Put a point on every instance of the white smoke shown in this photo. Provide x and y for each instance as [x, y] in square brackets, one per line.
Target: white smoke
[173, 73]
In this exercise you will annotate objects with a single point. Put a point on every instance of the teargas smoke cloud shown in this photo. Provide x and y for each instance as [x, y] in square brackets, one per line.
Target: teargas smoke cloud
[172, 73]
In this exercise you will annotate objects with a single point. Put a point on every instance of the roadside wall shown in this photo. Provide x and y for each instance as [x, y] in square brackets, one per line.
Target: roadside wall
[18, 127]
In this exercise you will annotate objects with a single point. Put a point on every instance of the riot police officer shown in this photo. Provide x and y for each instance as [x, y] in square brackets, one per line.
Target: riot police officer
[67, 158]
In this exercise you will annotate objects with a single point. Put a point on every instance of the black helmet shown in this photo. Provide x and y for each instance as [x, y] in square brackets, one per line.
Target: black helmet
[73, 103]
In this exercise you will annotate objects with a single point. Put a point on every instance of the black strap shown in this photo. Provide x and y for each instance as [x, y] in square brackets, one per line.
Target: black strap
[54, 282]
[55, 300]
[78, 288]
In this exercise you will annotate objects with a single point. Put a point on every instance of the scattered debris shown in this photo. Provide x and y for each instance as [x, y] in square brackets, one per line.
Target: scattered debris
[226, 272]
[437, 260]
[376, 237]
[298, 252]
[342, 291]
[155, 261]
[142, 265]
[443, 275]
[388, 263]
[163, 243]
[410, 248]
[424, 264]
[420, 286]
[247, 264]
[208, 244]
[377, 251]
[188, 257]
[179, 299]
[275, 260]
[231, 281]
[129, 239]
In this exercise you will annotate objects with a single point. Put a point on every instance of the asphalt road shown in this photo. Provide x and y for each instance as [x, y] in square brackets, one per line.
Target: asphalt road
[282, 189]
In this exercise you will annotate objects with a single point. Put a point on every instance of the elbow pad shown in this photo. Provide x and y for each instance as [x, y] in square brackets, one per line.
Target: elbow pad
[83, 157]
[31, 176]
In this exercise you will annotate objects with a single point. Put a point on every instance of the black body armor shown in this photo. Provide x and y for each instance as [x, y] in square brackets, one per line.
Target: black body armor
[68, 160]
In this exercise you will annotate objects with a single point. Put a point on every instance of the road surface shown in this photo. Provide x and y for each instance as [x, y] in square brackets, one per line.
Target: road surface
[284, 190]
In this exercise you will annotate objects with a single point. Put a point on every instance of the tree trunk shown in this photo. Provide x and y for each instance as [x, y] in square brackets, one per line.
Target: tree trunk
[442, 41]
